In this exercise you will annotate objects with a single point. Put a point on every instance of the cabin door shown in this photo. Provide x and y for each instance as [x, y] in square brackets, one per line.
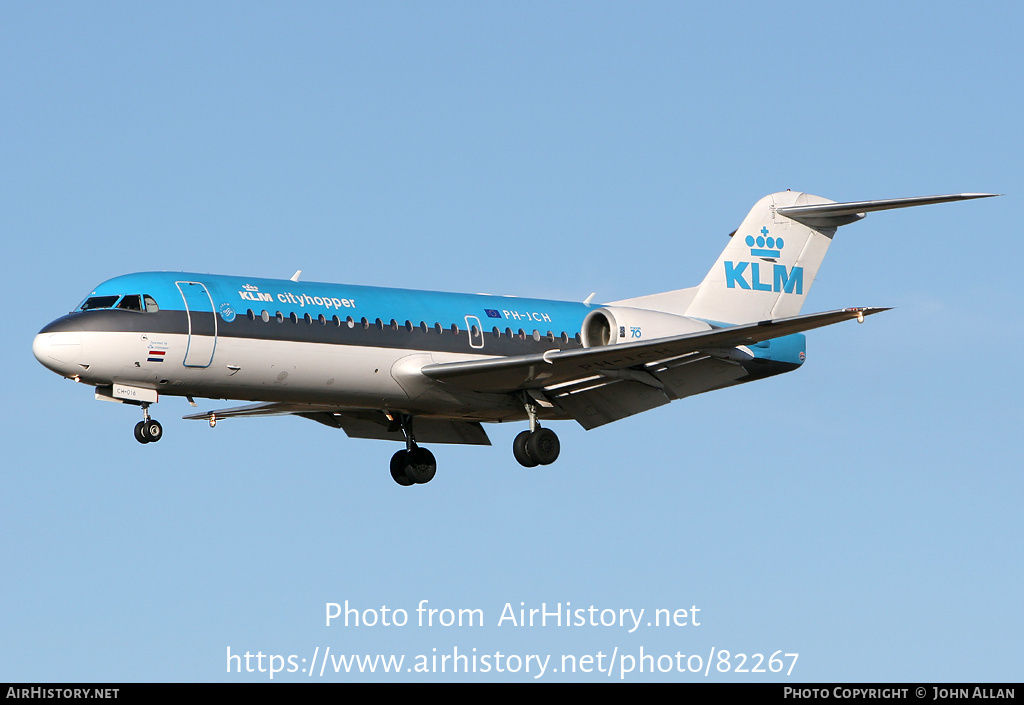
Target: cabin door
[202, 324]
[475, 331]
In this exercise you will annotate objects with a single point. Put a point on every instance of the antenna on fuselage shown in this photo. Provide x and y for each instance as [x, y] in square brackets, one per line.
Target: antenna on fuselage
[295, 277]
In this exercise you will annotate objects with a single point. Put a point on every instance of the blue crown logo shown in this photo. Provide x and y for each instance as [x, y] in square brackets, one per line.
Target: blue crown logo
[765, 245]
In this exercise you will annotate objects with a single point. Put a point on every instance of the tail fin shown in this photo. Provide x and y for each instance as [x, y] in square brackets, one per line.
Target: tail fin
[767, 269]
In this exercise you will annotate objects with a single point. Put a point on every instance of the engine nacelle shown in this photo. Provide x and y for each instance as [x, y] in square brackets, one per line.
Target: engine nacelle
[610, 325]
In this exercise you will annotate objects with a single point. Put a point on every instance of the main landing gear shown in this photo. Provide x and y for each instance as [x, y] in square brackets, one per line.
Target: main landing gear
[417, 466]
[533, 448]
[537, 446]
[414, 465]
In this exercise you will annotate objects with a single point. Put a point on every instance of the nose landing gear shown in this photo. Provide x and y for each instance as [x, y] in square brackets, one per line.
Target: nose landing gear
[148, 430]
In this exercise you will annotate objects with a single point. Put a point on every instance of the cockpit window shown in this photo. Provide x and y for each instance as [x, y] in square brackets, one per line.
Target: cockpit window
[128, 302]
[132, 302]
[94, 302]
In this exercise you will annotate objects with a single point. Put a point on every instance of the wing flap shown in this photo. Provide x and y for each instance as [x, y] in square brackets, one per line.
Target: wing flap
[611, 401]
[425, 429]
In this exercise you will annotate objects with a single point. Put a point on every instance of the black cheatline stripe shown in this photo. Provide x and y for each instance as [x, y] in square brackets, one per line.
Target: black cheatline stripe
[176, 323]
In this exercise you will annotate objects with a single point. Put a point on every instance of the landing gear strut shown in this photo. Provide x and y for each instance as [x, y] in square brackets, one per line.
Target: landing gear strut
[148, 430]
[538, 446]
[414, 465]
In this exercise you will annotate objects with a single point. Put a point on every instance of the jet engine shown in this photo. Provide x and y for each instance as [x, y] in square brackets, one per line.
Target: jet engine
[611, 325]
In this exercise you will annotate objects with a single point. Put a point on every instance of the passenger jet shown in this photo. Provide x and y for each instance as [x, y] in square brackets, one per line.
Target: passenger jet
[432, 367]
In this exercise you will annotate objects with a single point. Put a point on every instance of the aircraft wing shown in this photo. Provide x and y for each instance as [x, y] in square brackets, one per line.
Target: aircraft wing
[625, 360]
[594, 386]
[360, 423]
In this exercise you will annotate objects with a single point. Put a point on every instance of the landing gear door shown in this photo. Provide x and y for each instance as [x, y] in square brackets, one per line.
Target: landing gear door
[476, 332]
[202, 324]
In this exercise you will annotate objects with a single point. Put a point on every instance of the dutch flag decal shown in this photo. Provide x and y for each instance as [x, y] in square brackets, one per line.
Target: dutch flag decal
[156, 356]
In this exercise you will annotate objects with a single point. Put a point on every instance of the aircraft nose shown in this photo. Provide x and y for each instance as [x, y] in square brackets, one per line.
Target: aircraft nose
[58, 351]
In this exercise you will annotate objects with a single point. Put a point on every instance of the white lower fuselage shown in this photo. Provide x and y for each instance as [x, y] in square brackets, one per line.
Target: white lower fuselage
[348, 376]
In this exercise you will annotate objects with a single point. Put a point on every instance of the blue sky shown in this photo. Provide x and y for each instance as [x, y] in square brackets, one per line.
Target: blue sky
[862, 512]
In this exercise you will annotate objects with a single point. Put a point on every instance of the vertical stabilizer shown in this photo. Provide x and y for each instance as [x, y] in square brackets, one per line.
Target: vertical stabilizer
[768, 267]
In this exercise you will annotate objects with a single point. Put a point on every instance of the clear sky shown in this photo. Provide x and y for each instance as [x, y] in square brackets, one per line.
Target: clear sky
[863, 512]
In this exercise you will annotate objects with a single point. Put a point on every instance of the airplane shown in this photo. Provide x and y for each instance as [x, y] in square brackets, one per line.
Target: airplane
[432, 367]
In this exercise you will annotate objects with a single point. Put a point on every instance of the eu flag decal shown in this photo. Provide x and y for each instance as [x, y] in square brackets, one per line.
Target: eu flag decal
[492, 313]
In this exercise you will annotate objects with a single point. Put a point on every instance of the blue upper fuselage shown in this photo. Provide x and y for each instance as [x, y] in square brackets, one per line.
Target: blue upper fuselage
[232, 296]
[497, 325]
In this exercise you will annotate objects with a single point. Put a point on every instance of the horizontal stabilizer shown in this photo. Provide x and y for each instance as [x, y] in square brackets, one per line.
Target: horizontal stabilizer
[831, 215]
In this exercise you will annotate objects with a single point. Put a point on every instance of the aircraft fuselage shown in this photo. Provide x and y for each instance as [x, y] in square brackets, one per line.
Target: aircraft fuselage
[284, 341]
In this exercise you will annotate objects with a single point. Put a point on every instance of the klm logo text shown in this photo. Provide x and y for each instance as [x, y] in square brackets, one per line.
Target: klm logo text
[748, 275]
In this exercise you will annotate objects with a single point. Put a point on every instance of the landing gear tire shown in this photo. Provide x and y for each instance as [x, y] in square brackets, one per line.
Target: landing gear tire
[153, 431]
[414, 465]
[398, 469]
[420, 466]
[148, 431]
[533, 448]
[520, 451]
[543, 446]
